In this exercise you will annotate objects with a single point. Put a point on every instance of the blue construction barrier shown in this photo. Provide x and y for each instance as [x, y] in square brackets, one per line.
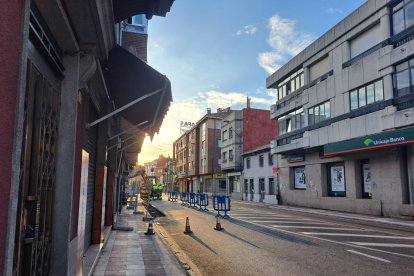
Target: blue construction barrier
[172, 196]
[221, 203]
[183, 198]
[202, 201]
[192, 200]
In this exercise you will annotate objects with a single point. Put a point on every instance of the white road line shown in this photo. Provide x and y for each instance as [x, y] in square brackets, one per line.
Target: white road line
[291, 222]
[272, 217]
[358, 235]
[369, 256]
[316, 227]
[395, 245]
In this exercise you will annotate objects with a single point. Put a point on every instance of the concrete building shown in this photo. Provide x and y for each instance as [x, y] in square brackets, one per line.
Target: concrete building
[346, 116]
[258, 176]
[64, 135]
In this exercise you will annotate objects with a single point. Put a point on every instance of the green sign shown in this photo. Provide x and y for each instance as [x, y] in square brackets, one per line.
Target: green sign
[385, 139]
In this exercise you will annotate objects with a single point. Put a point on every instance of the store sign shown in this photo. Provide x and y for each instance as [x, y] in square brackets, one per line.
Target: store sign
[300, 178]
[295, 158]
[386, 139]
[185, 126]
[338, 178]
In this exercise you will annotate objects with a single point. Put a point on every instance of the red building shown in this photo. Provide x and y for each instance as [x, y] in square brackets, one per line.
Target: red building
[258, 128]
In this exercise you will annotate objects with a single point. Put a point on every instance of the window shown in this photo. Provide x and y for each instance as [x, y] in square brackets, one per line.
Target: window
[404, 78]
[252, 186]
[248, 162]
[270, 159]
[371, 93]
[300, 178]
[365, 41]
[224, 156]
[261, 185]
[246, 185]
[230, 133]
[293, 121]
[203, 131]
[336, 179]
[231, 155]
[225, 135]
[271, 186]
[402, 16]
[261, 160]
[290, 84]
[319, 68]
[319, 113]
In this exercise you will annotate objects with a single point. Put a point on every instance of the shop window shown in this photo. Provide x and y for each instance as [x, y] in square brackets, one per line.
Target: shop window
[252, 186]
[365, 95]
[336, 180]
[246, 185]
[299, 178]
[366, 179]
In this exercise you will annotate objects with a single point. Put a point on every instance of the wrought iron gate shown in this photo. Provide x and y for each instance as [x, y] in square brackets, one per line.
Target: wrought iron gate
[37, 180]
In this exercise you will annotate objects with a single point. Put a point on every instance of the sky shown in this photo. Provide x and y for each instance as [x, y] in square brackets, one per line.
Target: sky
[218, 52]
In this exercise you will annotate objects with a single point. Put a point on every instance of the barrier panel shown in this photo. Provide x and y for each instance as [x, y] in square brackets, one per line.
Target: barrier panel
[202, 201]
[221, 204]
[183, 198]
[192, 200]
[172, 196]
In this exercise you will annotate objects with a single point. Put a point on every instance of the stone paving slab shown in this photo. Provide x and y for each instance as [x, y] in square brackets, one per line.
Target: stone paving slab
[133, 253]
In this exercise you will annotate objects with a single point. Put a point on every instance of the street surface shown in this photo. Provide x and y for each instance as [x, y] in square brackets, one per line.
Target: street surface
[262, 241]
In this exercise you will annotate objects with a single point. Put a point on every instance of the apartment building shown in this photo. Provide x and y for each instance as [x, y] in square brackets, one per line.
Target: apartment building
[180, 149]
[345, 110]
[231, 150]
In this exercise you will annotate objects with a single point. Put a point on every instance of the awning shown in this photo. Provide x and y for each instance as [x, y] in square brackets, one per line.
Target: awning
[129, 79]
[124, 9]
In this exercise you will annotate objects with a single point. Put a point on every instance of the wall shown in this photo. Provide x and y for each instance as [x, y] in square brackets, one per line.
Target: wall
[11, 18]
[258, 128]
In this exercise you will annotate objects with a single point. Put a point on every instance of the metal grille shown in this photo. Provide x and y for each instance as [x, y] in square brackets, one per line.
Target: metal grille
[32, 254]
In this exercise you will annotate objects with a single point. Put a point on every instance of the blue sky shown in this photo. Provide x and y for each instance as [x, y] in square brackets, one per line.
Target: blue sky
[217, 52]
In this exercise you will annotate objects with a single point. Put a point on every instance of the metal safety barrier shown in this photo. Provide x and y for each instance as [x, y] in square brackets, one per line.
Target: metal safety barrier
[221, 204]
[202, 201]
[183, 198]
[192, 200]
[172, 196]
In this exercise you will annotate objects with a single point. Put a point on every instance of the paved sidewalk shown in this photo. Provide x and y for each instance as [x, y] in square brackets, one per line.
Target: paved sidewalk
[134, 253]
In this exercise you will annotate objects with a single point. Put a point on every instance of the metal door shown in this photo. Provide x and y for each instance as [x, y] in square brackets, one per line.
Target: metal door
[37, 180]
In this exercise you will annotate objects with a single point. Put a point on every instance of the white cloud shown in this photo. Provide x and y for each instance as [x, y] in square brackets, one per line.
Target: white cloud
[285, 40]
[246, 30]
[334, 10]
[192, 110]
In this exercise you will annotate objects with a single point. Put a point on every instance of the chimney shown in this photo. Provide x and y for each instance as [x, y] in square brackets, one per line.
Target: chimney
[219, 110]
[209, 110]
[248, 102]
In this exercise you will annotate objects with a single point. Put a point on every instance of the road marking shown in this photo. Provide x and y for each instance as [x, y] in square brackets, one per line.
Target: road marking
[358, 235]
[384, 244]
[316, 227]
[369, 256]
[271, 217]
[291, 222]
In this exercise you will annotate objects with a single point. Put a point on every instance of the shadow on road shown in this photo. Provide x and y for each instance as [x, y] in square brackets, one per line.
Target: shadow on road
[240, 239]
[202, 243]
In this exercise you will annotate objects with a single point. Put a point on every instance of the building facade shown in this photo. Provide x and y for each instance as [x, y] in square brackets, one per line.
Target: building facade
[63, 154]
[345, 112]
[231, 151]
[258, 175]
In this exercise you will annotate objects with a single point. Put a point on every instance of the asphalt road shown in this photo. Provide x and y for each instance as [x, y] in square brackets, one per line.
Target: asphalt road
[259, 241]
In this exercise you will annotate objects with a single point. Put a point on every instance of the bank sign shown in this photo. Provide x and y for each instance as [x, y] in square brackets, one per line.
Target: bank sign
[386, 139]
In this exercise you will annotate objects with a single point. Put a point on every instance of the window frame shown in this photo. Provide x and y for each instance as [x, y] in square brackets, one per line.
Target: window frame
[362, 91]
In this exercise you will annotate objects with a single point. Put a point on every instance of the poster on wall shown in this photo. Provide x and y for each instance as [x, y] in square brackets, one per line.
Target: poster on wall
[338, 178]
[367, 178]
[300, 178]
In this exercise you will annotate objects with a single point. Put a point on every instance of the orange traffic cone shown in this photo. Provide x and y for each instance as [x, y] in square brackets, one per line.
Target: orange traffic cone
[218, 224]
[187, 227]
[150, 230]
